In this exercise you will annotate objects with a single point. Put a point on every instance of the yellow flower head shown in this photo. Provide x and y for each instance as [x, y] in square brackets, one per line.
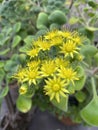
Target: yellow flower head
[42, 44]
[56, 41]
[23, 89]
[33, 64]
[55, 88]
[48, 68]
[33, 52]
[67, 34]
[68, 74]
[52, 34]
[31, 76]
[20, 75]
[69, 48]
[62, 62]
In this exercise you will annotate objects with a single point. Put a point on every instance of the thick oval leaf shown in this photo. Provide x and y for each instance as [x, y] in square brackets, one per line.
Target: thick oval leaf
[16, 41]
[80, 96]
[2, 74]
[73, 20]
[17, 27]
[79, 84]
[1, 38]
[63, 105]
[42, 20]
[80, 71]
[1, 64]
[23, 104]
[29, 39]
[91, 28]
[90, 112]
[11, 65]
[88, 50]
[4, 92]
[4, 51]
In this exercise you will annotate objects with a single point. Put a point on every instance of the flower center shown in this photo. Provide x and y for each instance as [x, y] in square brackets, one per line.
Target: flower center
[56, 87]
[69, 48]
[32, 75]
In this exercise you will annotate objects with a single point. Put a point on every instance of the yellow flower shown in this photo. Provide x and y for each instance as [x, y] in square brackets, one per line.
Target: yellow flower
[67, 34]
[69, 48]
[50, 35]
[57, 41]
[48, 68]
[55, 88]
[23, 89]
[33, 64]
[62, 62]
[20, 74]
[33, 52]
[68, 74]
[42, 44]
[31, 76]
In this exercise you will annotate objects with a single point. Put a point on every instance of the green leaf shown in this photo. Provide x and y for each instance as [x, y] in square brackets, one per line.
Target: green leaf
[90, 113]
[80, 96]
[79, 84]
[88, 50]
[4, 51]
[29, 39]
[80, 71]
[2, 74]
[1, 38]
[16, 41]
[23, 104]
[63, 105]
[58, 17]
[91, 28]
[10, 65]
[73, 20]
[17, 27]
[96, 58]
[71, 89]
[92, 4]
[42, 20]
[4, 92]
[1, 64]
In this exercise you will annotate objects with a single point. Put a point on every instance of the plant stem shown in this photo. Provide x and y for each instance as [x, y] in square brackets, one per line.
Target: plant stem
[93, 87]
[9, 103]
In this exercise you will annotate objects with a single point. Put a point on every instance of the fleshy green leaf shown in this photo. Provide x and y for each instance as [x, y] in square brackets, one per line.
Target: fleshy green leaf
[2, 74]
[63, 105]
[29, 39]
[88, 50]
[4, 92]
[73, 20]
[90, 112]
[23, 104]
[4, 51]
[80, 71]
[17, 27]
[91, 28]
[93, 4]
[79, 84]
[1, 64]
[80, 96]
[16, 41]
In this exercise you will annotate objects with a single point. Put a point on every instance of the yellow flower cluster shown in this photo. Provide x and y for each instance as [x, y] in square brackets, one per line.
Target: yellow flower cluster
[51, 60]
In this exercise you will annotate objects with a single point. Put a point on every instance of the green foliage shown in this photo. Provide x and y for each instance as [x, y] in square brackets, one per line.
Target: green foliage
[20, 20]
[63, 105]
[24, 104]
[4, 92]
[90, 112]
[42, 20]
[58, 17]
